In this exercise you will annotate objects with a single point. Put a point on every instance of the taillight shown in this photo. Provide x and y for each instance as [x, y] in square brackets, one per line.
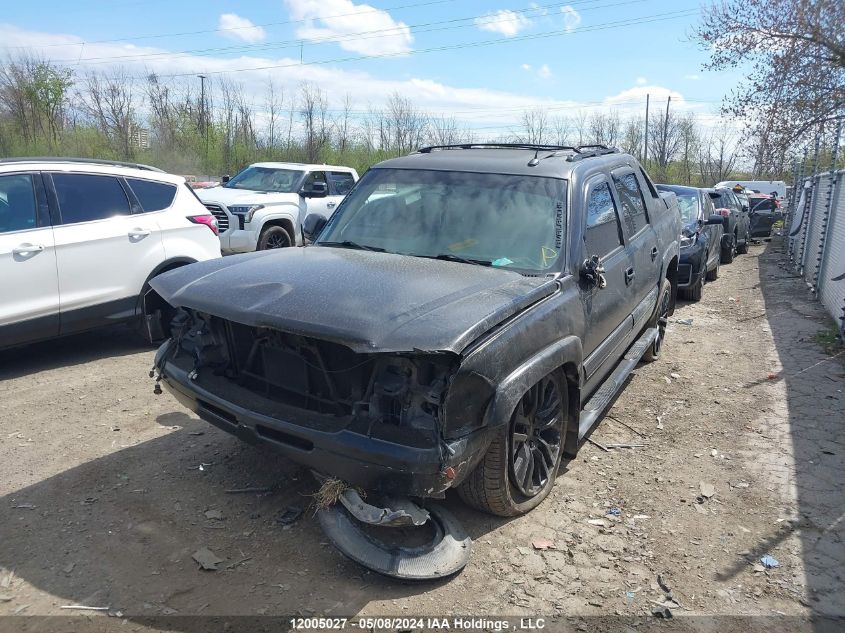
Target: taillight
[209, 220]
[725, 213]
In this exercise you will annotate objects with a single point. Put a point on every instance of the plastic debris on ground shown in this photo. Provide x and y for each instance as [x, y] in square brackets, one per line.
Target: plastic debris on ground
[770, 562]
[206, 559]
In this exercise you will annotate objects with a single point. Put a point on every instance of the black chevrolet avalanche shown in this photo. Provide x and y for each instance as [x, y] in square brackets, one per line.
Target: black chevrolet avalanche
[462, 320]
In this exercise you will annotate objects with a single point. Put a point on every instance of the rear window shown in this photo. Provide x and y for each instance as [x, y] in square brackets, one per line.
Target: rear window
[720, 201]
[342, 182]
[153, 196]
[633, 204]
[761, 204]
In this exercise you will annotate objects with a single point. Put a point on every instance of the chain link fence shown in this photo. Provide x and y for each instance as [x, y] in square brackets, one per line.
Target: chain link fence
[815, 229]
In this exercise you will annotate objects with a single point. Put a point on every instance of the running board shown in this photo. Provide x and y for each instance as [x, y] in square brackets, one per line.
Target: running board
[611, 386]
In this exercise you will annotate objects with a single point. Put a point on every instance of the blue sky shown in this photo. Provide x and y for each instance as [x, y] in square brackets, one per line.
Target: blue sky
[498, 59]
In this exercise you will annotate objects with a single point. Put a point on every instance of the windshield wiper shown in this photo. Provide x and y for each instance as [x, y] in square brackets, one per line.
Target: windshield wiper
[351, 244]
[449, 257]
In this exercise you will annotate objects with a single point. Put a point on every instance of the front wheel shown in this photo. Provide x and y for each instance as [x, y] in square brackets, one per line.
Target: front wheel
[713, 275]
[742, 249]
[274, 237]
[694, 292]
[519, 468]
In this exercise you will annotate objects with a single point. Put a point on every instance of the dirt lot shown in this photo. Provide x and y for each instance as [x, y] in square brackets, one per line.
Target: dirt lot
[105, 488]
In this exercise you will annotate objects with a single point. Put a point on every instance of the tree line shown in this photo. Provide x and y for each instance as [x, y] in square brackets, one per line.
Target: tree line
[214, 128]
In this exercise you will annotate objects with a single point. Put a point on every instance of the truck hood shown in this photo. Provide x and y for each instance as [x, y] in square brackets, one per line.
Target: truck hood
[367, 301]
[222, 195]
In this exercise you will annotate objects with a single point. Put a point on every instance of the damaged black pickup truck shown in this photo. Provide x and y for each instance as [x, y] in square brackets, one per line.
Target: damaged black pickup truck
[462, 320]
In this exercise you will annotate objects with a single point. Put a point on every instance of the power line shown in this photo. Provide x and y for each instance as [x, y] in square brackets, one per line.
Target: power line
[426, 27]
[239, 28]
[659, 17]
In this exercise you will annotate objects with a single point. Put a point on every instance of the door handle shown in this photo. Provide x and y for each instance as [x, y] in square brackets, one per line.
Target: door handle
[331, 205]
[27, 249]
[653, 253]
[138, 233]
[629, 276]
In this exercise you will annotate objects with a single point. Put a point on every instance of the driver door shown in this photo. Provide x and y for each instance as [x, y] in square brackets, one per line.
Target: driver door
[318, 205]
[607, 310]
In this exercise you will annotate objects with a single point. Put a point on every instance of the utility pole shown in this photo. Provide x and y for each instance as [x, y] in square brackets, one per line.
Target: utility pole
[203, 113]
[645, 140]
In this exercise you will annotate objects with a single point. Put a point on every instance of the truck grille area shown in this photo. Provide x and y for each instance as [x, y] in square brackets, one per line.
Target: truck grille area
[315, 383]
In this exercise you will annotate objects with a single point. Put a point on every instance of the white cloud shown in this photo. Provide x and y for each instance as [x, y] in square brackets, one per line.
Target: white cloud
[496, 111]
[235, 27]
[571, 18]
[544, 72]
[343, 19]
[503, 21]
[539, 9]
[641, 81]
[692, 77]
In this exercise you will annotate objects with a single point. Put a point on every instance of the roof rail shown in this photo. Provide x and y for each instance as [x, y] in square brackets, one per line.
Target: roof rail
[534, 146]
[86, 161]
[590, 151]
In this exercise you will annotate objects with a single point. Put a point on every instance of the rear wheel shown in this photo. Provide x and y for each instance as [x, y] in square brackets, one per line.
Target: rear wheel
[742, 249]
[520, 466]
[274, 237]
[728, 251]
[659, 320]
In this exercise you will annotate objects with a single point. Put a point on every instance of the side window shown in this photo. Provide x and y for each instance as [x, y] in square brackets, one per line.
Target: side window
[18, 208]
[315, 176]
[631, 198]
[341, 182]
[709, 209]
[83, 197]
[603, 230]
[153, 196]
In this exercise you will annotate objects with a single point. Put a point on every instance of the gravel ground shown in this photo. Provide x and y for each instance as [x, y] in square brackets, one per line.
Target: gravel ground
[108, 490]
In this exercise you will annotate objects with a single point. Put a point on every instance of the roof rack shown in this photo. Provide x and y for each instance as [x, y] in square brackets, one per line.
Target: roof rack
[578, 152]
[590, 151]
[534, 146]
[87, 161]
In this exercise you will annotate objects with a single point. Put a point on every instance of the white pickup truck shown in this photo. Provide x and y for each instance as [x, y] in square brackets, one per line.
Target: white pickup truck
[264, 205]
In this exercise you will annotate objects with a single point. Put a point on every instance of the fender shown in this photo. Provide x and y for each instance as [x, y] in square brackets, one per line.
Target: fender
[515, 384]
[168, 264]
[281, 211]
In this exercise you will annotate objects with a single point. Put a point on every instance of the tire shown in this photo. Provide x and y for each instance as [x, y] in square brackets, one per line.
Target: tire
[537, 430]
[157, 328]
[713, 275]
[693, 293]
[742, 249]
[728, 252]
[659, 320]
[274, 237]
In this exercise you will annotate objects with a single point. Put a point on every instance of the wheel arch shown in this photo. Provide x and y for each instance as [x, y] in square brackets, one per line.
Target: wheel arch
[565, 355]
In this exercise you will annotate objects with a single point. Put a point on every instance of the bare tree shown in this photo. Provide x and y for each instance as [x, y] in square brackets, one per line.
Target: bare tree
[561, 127]
[795, 52]
[110, 101]
[717, 156]
[312, 110]
[664, 139]
[343, 125]
[534, 126]
[580, 123]
[444, 131]
[688, 150]
[633, 134]
[273, 103]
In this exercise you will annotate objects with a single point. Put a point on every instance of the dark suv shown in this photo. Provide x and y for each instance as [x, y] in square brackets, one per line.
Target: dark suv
[462, 320]
[737, 233]
[701, 239]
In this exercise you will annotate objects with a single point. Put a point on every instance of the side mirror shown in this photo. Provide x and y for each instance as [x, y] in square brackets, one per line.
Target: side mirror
[315, 190]
[225, 179]
[715, 219]
[313, 225]
[592, 272]
[745, 207]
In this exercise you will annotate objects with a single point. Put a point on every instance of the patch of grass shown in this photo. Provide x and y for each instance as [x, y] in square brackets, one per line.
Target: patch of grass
[828, 340]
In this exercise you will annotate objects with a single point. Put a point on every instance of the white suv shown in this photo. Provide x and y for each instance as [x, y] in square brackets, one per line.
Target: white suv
[80, 239]
[265, 204]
